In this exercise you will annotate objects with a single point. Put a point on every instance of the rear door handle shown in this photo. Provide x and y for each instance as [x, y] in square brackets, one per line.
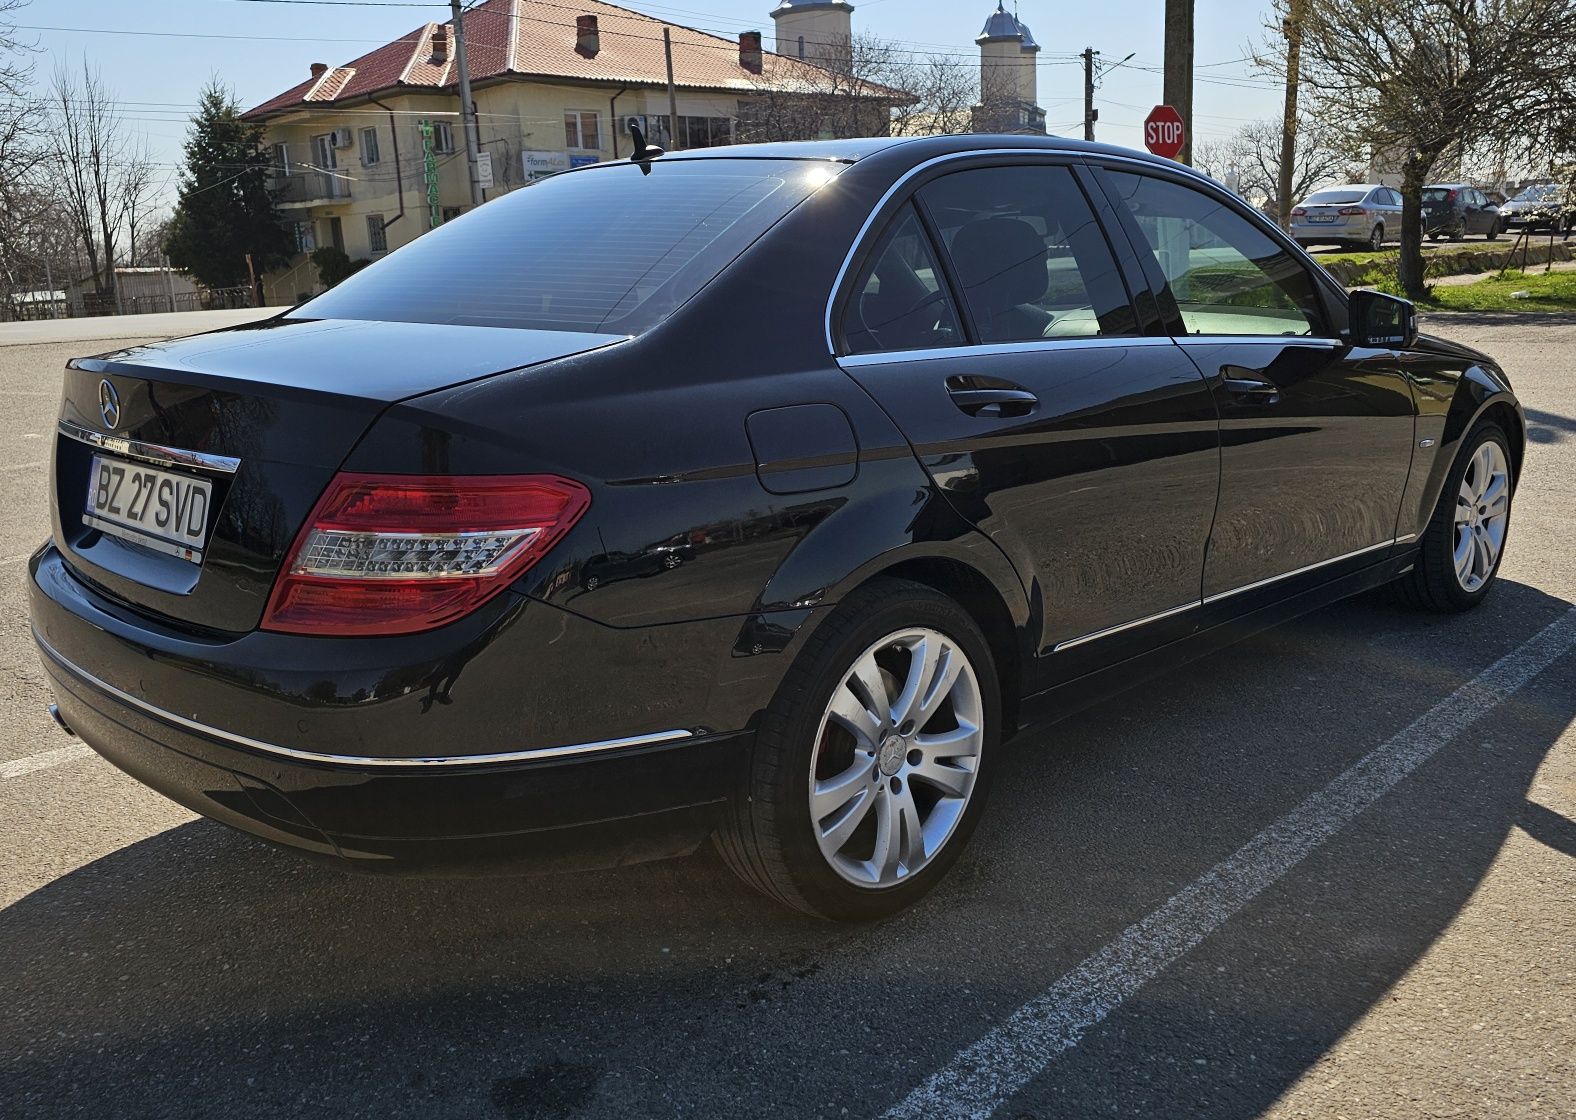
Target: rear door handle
[1248, 386]
[990, 402]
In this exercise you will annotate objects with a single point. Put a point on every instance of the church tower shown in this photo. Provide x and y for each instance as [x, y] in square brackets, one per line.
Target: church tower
[1009, 76]
[818, 31]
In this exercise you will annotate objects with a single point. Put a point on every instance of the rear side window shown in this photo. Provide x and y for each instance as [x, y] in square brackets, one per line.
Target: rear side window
[604, 250]
[1228, 276]
[900, 301]
[1030, 258]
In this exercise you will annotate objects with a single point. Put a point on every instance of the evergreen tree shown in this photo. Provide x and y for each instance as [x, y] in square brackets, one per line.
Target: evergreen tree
[226, 209]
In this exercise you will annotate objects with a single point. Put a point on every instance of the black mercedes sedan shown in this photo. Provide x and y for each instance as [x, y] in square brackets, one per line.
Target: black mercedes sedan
[758, 494]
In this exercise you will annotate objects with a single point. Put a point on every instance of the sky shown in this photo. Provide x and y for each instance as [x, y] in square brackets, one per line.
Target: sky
[155, 55]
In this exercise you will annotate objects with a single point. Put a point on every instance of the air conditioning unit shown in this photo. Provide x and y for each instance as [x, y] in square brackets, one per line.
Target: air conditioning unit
[341, 137]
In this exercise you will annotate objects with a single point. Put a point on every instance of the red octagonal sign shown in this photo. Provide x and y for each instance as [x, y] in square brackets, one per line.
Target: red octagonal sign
[1164, 131]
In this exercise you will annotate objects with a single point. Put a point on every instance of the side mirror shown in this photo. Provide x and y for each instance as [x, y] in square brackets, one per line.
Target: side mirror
[1381, 320]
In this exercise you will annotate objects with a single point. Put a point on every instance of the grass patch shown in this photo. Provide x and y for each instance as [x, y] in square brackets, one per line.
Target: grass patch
[1546, 291]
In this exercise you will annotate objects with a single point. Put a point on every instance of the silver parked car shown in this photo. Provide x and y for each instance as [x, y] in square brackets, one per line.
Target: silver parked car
[1363, 214]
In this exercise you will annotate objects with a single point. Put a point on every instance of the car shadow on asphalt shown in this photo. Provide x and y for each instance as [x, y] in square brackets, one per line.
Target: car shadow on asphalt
[199, 972]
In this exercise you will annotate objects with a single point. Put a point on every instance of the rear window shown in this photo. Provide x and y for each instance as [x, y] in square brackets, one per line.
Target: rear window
[1437, 194]
[606, 250]
[1335, 198]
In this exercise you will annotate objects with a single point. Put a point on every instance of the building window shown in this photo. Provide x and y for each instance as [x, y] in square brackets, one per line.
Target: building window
[377, 236]
[582, 130]
[369, 146]
[305, 237]
[705, 132]
[451, 212]
[442, 137]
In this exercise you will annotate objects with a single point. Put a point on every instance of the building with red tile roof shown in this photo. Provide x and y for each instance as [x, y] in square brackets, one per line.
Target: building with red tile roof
[371, 152]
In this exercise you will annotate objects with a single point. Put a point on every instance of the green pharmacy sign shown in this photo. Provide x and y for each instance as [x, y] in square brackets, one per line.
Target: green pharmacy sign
[429, 166]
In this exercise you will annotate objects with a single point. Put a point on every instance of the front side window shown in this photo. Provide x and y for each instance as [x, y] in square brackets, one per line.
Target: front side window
[582, 130]
[1228, 276]
[606, 249]
[900, 300]
[1030, 258]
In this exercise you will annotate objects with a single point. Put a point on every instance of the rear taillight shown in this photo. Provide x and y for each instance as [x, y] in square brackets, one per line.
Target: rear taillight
[1352, 210]
[1450, 196]
[1298, 211]
[397, 554]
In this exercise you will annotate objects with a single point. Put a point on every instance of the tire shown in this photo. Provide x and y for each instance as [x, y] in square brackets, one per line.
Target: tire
[1494, 231]
[1436, 582]
[772, 838]
[1376, 239]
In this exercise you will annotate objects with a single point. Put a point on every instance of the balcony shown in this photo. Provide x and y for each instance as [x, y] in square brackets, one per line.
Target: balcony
[310, 188]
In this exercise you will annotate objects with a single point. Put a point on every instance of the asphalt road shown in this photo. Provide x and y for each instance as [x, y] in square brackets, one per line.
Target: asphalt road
[1328, 872]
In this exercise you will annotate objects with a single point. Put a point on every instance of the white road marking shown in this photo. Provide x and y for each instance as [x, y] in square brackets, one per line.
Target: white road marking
[43, 761]
[981, 1078]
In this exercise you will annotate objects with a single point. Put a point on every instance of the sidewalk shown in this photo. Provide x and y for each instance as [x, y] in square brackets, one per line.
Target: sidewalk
[161, 325]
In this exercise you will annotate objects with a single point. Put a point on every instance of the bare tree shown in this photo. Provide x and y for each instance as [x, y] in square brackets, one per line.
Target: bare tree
[1422, 77]
[90, 156]
[136, 184]
[1253, 154]
[869, 83]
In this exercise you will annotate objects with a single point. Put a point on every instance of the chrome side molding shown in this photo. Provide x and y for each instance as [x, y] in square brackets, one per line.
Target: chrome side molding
[1219, 595]
[155, 453]
[347, 760]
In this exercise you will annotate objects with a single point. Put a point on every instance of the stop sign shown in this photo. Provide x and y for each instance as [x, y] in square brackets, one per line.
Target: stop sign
[1164, 131]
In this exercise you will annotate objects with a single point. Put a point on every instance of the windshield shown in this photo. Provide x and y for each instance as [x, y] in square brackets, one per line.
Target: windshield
[1335, 198]
[1543, 192]
[608, 249]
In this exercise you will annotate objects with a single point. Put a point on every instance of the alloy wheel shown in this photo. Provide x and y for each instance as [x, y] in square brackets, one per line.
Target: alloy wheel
[896, 757]
[1482, 513]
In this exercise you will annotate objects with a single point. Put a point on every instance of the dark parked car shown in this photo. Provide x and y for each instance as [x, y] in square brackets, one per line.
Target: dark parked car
[1542, 206]
[970, 432]
[1454, 210]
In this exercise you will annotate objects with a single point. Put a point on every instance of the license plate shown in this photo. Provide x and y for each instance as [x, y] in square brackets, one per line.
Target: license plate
[162, 510]
[1322, 218]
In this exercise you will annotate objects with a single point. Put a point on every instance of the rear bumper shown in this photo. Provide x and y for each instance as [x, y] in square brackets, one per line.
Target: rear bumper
[416, 807]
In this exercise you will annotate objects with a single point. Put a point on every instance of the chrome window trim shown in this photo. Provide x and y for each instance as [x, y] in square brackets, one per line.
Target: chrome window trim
[355, 761]
[993, 349]
[149, 452]
[1218, 596]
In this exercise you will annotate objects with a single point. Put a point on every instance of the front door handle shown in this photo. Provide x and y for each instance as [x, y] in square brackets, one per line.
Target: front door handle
[1247, 386]
[990, 401]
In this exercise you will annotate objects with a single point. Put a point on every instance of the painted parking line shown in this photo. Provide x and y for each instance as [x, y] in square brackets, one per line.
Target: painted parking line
[43, 761]
[982, 1077]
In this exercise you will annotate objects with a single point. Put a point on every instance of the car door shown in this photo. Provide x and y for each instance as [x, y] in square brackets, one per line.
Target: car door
[1316, 435]
[1086, 450]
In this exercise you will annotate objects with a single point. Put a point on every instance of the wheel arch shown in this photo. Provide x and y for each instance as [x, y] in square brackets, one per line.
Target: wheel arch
[972, 590]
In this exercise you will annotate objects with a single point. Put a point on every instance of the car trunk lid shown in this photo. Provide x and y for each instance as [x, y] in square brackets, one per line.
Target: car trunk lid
[257, 419]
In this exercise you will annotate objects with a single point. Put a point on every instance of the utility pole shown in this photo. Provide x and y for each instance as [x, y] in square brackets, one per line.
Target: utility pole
[467, 111]
[1288, 153]
[673, 96]
[1178, 90]
[1091, 114]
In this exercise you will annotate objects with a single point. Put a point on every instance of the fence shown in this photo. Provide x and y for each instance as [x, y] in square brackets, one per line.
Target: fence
[93, 304]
